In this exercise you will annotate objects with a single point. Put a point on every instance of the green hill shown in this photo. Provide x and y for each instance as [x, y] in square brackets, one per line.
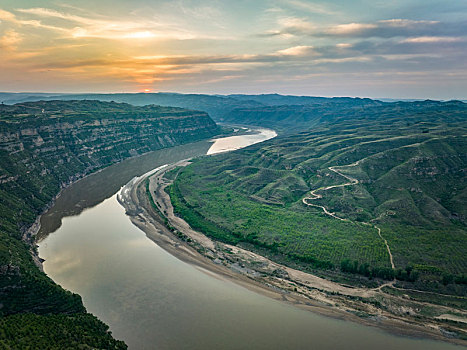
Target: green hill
[409, 181]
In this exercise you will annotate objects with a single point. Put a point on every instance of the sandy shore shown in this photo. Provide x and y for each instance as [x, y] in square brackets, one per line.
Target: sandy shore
[273, 280]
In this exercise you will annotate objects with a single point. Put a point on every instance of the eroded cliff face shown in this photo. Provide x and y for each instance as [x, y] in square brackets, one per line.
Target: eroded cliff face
[45, 146]
[43, 136]
[91, 144]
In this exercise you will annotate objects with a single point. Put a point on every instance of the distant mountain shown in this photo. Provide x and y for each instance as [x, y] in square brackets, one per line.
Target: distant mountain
[215, 106]
[276, 99]
[296, 118]
[400, 99]
[220, 108]
[284, 113]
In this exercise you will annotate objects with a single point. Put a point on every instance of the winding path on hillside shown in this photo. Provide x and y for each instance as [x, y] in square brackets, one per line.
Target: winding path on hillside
[258, 272]
[352, 181]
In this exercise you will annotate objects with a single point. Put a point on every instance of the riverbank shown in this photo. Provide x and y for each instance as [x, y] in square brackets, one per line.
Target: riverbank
[266, 277]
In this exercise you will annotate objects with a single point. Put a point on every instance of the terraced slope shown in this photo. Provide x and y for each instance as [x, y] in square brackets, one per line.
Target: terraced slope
[403, 171]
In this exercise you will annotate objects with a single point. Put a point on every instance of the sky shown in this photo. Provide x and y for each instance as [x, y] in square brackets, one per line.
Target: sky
[366, 48]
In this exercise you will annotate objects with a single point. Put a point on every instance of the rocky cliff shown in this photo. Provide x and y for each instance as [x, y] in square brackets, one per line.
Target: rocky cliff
[44, 146]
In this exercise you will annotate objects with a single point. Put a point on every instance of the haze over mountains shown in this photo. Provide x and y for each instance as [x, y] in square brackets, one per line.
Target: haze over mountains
[285, 113]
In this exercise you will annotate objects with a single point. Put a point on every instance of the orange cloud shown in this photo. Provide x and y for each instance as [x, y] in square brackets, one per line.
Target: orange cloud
[10, 40]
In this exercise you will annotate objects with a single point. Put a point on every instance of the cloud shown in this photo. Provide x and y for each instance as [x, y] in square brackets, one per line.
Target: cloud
[404, 23]
[302, 50]
[43, 12]
[12, 18]
[142, 68]
[382, 29]
[433, 39]
[7, 16]
[173, 62]
[418, 45]
[10, 39]
[289, 26]
[390, 28]
[181, 43]
[108, 28]
[311, 7]
[350, 28]
[296, 24]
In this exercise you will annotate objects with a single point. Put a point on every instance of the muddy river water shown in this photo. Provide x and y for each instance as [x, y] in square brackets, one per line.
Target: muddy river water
[152, 300]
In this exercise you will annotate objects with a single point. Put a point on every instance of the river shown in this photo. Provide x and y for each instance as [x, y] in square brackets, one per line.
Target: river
[152, 300]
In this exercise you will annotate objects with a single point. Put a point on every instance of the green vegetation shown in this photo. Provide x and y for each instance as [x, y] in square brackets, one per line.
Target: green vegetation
[234, 218]
[411, 184]
[44, 146]
[171, 174]
[82, 331]
[292, 114]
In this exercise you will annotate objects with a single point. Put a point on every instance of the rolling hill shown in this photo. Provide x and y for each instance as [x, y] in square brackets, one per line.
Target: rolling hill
[395, 167]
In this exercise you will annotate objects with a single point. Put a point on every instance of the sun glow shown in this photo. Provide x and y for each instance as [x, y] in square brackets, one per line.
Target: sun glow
[140, 35]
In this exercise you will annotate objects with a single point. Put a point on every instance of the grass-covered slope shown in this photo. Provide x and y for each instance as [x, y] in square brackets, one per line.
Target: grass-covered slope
[293, 118]
[410, 167]
[238, 213]
[45, 146]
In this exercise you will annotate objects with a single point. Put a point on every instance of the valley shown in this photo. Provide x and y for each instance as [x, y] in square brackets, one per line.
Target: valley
[350, 214]
[201, 175]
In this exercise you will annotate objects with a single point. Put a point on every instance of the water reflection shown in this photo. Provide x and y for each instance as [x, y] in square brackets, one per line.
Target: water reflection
[230, 143]
[94, 188]
[152, 300]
